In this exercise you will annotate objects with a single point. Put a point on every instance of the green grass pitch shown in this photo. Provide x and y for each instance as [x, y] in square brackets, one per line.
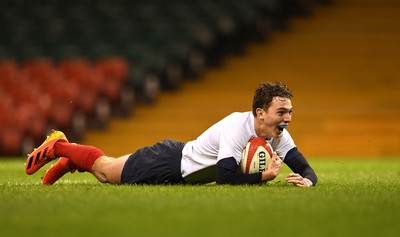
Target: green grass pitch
[354, 197]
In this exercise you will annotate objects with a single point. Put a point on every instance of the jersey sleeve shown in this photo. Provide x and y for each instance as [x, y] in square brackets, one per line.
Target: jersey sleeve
[226, 174]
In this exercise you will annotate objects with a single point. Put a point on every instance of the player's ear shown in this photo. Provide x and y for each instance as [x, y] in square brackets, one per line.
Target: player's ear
[260, 113]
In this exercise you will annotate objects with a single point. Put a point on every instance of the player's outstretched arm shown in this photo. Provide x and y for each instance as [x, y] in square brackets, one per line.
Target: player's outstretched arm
[303, 175]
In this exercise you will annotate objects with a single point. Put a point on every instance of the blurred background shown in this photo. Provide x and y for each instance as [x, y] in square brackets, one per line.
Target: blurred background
[124, 74]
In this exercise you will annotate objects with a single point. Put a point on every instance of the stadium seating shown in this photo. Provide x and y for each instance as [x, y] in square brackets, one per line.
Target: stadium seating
[39, 94]
[72, 64]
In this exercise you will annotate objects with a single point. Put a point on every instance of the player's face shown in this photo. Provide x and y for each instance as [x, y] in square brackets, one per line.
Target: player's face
[269, 121]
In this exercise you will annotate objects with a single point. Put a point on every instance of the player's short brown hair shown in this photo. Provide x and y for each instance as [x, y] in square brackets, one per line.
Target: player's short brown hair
[265, 92]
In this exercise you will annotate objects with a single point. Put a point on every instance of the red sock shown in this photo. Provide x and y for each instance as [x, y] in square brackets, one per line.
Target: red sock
[82, 155]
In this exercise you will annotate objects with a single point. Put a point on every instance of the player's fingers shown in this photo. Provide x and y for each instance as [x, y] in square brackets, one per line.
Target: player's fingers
[293, 175]
[289, 179]
[294, 178]
[294, 181]
[297, 180]
[301, 184]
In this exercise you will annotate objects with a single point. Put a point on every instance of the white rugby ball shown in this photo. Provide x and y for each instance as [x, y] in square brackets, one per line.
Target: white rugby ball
[255, 156]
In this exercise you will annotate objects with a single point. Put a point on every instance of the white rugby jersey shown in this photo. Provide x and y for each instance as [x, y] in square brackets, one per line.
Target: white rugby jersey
[227, 138]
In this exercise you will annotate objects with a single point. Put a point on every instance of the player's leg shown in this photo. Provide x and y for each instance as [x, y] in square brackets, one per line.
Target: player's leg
[91, 159]
[105, 169]
[74, 156]
[108, 170]
[84, 158]
[57, 145]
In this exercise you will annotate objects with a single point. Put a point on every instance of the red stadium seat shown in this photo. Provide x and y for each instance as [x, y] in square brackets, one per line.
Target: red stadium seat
[115, 72]
[11, 133]
[79, 76]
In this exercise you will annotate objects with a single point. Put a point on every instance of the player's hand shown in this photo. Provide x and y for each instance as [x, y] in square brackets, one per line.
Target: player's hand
[274, 168]
[275, 164]
[298, 180]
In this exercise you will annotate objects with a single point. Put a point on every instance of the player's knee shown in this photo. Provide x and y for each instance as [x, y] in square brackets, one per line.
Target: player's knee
[99, 169]
[108, 170]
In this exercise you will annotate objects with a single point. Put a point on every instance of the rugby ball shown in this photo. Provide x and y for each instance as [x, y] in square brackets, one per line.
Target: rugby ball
[255, 156]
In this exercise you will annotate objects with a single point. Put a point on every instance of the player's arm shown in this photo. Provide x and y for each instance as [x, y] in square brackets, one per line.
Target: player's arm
[226, 172]
[303, 174]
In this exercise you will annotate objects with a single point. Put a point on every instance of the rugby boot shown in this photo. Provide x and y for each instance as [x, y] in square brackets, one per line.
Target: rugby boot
[56, 171]
[44, 153]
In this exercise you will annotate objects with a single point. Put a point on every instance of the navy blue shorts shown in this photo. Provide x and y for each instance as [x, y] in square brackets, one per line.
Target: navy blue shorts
[157, 164]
